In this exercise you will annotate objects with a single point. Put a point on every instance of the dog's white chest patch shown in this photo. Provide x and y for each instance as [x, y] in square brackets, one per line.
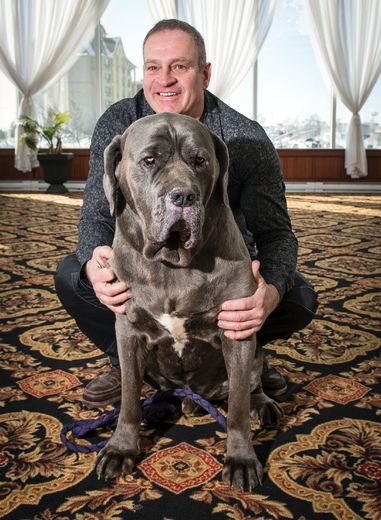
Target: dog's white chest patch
[175, 326]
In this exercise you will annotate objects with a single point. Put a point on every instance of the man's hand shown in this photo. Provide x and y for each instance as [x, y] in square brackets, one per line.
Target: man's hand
[241, 318]
[111, 293]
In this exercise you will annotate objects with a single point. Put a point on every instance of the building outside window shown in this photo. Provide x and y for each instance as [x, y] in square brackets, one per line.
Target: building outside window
[285, 91]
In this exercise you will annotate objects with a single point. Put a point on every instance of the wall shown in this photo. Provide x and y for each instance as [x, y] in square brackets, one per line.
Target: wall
[325, 166]
[298, 165]
[78, 168]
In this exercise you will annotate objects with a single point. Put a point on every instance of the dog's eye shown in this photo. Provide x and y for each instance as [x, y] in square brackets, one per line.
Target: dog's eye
[199, 160]
[149, 161]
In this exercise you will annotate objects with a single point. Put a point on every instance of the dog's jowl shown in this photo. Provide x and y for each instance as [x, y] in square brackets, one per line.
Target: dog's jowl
[180, 251]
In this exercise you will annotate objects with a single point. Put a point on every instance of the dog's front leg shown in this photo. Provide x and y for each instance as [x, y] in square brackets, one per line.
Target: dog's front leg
[118, 456]
[242, 468]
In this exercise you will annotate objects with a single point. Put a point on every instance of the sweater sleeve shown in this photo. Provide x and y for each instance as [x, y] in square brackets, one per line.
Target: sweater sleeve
[96, 225]
[260, 193]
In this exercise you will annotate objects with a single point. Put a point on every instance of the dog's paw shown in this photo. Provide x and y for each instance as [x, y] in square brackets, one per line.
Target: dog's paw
[112, 463]
[264, 409]
[242, 473]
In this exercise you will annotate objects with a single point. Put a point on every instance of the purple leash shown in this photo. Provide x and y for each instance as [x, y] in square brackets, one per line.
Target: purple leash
[81, 428]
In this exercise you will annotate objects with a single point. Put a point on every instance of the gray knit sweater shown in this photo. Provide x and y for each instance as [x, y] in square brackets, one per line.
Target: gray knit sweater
[255, 188]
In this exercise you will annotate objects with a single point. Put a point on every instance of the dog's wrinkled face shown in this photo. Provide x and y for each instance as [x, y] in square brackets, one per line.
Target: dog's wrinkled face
[168, 168]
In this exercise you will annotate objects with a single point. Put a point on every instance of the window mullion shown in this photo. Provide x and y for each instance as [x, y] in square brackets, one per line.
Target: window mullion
[255, 90]
[98, 71]
[333, 119]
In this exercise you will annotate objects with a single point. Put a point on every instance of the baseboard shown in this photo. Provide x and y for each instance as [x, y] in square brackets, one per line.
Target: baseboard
[291, 187]
[333, 187]
[37, 186]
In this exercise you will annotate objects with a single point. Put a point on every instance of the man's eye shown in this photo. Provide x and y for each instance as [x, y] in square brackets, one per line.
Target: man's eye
[199, 160]
[151, 68]
[179, 66]
[149, 161]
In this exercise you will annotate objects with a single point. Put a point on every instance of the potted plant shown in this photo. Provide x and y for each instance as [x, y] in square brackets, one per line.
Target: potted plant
[55, 164]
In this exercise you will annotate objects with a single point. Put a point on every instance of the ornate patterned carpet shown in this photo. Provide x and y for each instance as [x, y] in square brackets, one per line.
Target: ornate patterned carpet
[323, 462]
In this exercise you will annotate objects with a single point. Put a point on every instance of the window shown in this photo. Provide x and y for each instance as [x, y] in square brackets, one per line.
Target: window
[292, 101]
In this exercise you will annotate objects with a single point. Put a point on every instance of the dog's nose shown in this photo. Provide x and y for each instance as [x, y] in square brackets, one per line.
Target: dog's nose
[182, 198]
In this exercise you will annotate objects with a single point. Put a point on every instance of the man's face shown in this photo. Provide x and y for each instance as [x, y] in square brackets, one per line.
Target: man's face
[173, 81]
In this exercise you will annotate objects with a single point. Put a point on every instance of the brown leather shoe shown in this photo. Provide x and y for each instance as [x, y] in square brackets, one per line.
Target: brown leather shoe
[104, 389]
[273, 383]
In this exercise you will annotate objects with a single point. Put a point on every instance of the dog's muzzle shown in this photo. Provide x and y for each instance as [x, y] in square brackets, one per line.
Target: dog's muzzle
[181, 223]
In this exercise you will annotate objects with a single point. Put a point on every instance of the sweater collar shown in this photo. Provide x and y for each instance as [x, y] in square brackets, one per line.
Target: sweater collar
[211, 116]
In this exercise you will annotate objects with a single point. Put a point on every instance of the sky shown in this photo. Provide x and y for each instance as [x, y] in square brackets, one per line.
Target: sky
[131, 27]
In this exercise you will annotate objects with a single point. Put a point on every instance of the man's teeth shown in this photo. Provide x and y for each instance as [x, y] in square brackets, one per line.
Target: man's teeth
[167, 94]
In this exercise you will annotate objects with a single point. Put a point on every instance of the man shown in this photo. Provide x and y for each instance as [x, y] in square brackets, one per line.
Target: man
[176, 76]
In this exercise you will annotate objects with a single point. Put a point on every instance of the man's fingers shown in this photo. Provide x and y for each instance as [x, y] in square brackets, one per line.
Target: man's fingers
[114, 289]
[105, 274]
[239, 335]
[103, 252]
[255, 265]
[242, 304]
[114, 300]
[236, 315]
[236, 325]
[97, 274]
[101, 256]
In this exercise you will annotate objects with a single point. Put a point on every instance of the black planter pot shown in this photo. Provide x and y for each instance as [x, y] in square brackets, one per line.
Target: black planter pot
[55, 167]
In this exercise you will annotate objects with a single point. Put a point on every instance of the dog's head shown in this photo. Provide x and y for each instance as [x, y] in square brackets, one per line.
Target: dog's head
[171, 171]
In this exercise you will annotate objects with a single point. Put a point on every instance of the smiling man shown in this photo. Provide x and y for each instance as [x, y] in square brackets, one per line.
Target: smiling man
[176, 77]
[175, 73]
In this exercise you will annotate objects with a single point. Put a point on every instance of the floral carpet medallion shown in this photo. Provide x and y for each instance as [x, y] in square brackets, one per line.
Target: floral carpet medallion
[336, 465]
[180, 468]
[322, 462]
[49, 383]
[337, 389]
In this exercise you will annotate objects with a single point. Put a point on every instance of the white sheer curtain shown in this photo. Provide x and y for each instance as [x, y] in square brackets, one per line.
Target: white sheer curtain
[161, 9]
[348, 39]
[39, 40]
[234, 32]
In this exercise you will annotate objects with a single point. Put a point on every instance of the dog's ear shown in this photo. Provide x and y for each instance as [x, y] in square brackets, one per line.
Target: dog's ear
[112, 157]
[222, 155]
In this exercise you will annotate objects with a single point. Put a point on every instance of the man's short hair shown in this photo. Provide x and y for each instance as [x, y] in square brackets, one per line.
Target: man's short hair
[173, 24]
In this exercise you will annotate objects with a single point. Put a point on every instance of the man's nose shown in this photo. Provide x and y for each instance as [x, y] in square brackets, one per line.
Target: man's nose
[166, 76]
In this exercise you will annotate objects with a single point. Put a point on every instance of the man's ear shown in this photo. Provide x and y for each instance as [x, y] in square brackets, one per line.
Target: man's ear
[112, 156]
[207, 72]
[222, 155]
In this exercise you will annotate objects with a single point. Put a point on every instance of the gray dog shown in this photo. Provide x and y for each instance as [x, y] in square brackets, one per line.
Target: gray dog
[179, 249]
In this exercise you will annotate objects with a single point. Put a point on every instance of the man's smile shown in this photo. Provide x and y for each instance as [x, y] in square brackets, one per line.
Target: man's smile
[167, 94]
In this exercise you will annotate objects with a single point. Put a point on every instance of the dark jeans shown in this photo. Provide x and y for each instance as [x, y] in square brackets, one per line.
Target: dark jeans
[97, 322]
